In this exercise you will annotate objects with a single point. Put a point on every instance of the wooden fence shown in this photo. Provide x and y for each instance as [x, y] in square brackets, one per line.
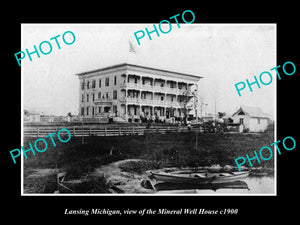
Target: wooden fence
[105, 130]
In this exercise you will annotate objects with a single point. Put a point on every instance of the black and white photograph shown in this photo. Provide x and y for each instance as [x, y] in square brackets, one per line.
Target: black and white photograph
[149, 112]
[130, 109]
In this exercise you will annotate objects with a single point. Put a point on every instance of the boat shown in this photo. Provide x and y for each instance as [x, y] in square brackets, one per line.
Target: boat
[203, 177]
[164, 186]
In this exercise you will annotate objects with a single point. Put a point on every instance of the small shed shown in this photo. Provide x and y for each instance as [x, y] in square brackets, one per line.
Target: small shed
[252, 118]
[31, 116]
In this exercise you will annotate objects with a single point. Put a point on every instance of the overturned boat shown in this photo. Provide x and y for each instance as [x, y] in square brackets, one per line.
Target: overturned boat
[199, 178]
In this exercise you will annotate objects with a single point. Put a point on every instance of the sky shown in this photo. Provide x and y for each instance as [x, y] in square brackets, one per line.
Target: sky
[223, 54]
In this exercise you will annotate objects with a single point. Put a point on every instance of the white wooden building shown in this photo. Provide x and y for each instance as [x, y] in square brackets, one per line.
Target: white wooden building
[252, 118]
[129, 91]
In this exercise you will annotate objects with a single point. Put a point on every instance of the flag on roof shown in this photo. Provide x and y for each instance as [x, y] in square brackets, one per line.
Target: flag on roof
[131, 48]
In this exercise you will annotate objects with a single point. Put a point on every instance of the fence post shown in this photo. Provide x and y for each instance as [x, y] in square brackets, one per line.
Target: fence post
[90, 131]
[38, 132]
[133, 130]
[105, 131]
[74, 131]
[119, 131]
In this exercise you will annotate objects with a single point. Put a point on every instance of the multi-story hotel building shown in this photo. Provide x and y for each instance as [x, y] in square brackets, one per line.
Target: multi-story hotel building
[128, 91]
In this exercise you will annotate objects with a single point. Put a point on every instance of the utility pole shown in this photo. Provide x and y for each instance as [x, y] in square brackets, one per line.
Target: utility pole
[215, 124]
[215, 109]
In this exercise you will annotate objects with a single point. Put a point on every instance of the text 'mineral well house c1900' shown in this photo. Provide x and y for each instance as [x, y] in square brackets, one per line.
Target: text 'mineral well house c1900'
[127, 91]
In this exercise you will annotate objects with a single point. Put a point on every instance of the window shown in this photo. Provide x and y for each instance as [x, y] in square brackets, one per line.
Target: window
[93, 84]
[107, 95]
[135, 80]
[87, 97]
[114, 108]
[82, 85]
[93, 111]
[82, 111]
[99, 82]
[241, 120]
[107, 81]
[115, 81]
[99, 94]
[87, 111]
[99, 109]
[161, 98]
[82, 98]
[93, 96]
[115, 95]
[87, 84]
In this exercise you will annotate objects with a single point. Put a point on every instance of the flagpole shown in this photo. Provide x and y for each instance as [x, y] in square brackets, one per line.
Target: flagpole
[131, 57]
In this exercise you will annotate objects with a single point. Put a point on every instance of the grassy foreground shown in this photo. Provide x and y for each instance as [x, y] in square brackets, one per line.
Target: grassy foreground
[80, 159]
[168, 150]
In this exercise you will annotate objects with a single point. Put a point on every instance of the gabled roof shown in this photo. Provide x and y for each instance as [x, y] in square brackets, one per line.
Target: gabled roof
[252, 112]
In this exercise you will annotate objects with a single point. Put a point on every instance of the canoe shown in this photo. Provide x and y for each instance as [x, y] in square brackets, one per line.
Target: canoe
[199, 177]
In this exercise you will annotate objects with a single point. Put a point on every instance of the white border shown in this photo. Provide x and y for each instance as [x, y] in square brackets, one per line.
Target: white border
[150, 194]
